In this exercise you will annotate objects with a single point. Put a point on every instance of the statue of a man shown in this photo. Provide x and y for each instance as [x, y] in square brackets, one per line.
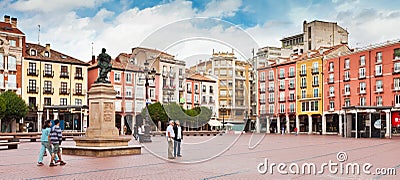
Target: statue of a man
[104, 63]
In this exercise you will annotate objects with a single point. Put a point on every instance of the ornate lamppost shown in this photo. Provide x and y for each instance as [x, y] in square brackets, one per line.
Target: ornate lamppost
[148, 74]
[223, 110]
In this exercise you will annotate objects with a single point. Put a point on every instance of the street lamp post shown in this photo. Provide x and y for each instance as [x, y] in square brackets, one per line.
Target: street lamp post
[223, 110]
[147, 74]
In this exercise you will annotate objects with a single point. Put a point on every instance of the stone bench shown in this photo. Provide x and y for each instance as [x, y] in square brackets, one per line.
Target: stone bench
[8, 141]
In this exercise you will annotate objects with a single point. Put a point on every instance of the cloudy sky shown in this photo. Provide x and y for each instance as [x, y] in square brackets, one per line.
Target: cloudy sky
[191, 29]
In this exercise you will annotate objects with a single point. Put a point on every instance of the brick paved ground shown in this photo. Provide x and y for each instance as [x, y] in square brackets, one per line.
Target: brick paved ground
[209, 157]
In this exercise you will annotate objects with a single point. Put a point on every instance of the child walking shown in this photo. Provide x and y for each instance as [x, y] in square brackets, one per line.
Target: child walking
[56, 139]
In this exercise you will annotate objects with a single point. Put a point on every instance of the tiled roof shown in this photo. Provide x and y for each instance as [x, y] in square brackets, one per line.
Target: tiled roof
[6, 27]
[55, 56]
[198, 77]
[120, 63]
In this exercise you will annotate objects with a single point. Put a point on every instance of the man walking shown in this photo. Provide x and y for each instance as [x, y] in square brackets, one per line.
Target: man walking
[56, 139]
[170, 138]
[178, 138]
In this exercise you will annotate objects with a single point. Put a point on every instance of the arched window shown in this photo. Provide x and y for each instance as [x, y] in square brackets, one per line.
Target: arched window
[33, 52]
[12, 63]
[46, 54]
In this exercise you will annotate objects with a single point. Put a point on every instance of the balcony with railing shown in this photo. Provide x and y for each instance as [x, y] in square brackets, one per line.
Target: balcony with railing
[378, 89]
[361, 91]
[291, 99]
[291, 111]
[79, 76]
[281, 111]
[32, 72]
[32, 89]
[64, 74]
[315, 84]
[361, 75]
[396, 88]
[63, 91]
[48, 90]
[329, 108]
[79, 92]
[48, 73]
[378, 73]
[281, 76]
[346, 78]
[262, 90]
[164, 73]
[281, 88]
[271, 100]
[396, 104]
[310, 96]
[303, 85]
[271, 89]
[262, 101]
[270, 78]
[172, 74]
[290, 74]
[291, 87]
[303, 72]
[346, 93]
[330, 80]
[314, 71]
[282, 99]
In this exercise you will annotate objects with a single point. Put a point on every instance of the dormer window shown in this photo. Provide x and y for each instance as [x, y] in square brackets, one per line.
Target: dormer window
[46, 54]
[33, 52]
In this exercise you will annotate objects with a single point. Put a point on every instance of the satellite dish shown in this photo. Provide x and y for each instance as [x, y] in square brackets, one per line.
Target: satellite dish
[377, 124]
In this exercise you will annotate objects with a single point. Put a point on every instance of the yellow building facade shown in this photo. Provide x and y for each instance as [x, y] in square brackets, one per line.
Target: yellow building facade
[54, 87]
[309, 91]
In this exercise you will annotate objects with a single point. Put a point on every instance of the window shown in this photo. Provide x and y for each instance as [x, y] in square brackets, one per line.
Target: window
[271, 86]
[282, 73]
[316, 92]
[152, 93]
[2, 80]
[78, 88]
[63, 101]
[32, 102]
[271, 109]
[303, 82]
[78, 72]
[315, 80]
[396, 67]
[363, 87]
[47, 86]
[271, 75]
[362, 60]
[362, 101]
[331, 64]
[331, 76]
[139, 93]
[282, 96]
[48, 70]
[379, 100]
[331, 105]
[12, 63]
[180, 83]
[331, 91]
[347, 89]
[361, 73]
[378, 70]
[303, 93]
[314, 105]
[47, 101]
[78, 102]
[396, 83]
[196, 88]
[379, 57]
[128, 92]
[303, 69]
[347, 63]
[262, 76]
[33, 52]
[63, 89]
[291, 71]
[305, 106]
[211, 90]
[46, 54]
[347, 102]
[180, 72]
[12, 42]
[271, 97]
[347, 75]
[291, 108]
[128, 77]
[379, 86]
[32, 85]
[396, 54]
[281, 108]
[315, 67]
[117, 77]
[291, 83]
[171, 83]
[282, 84]
[12, 81]
[32, 68]
[118, 90]
[222, 72]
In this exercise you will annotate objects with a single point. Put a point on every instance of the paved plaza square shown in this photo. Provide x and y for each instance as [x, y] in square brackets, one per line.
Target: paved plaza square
[213, 157]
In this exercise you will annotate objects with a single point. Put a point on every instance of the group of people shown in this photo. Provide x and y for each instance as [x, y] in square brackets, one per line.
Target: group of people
[174, 134]
[51, 140]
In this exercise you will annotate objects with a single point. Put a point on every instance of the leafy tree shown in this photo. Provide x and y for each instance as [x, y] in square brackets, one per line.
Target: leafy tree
[15, 108]
[157, 113]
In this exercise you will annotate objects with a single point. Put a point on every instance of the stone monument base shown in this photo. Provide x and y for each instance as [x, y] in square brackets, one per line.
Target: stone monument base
[101, 141]
[102, 151]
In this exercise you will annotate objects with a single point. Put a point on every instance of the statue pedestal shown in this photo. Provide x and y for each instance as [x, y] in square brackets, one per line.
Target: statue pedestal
[102, 137]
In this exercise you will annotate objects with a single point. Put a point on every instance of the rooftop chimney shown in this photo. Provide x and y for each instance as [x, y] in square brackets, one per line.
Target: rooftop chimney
[14, 22]
[48, 47]
[6, 18]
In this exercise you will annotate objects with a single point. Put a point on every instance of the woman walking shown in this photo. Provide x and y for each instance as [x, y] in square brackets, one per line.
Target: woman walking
[45, 141]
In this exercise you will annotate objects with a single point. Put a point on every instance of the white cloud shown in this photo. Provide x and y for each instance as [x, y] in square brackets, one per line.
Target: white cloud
[221, 8]
[53, 5]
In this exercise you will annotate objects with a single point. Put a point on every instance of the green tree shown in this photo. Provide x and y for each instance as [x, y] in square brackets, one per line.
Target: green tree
[15, 109]
[157, 113]
[191, 112]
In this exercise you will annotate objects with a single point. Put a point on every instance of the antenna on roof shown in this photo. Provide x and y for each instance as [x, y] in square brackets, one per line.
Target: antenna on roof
[38, 36]
[92, 48]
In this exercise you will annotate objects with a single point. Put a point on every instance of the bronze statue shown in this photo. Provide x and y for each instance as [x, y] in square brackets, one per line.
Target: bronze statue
[104, 63]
